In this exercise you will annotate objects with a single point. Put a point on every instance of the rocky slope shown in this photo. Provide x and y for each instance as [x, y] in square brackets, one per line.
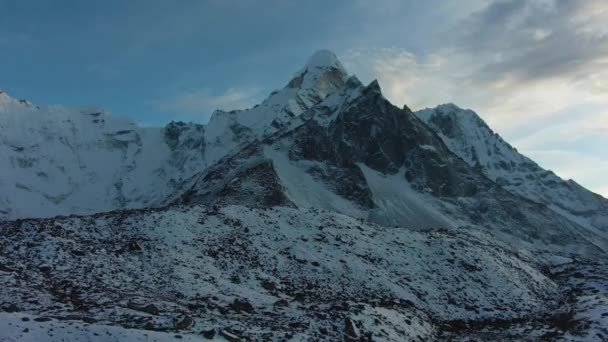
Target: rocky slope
[468, 136]
[270, 274]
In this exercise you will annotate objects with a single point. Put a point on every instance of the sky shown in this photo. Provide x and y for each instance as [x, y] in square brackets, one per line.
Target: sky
[535, 70]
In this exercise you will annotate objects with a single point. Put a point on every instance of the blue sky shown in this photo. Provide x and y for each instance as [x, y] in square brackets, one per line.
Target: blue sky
[536, 70]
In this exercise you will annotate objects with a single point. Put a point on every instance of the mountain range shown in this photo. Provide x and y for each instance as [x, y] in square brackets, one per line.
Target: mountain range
[323, 213]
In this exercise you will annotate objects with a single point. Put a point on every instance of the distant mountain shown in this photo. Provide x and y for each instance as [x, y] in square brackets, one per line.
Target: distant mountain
[469, 137]
[324, 213]
[59, 161]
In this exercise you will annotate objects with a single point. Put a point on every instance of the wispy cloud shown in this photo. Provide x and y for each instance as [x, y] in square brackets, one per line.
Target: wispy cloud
[199, 104]
[536, 70]
[523, 40]
[405, 77]
[568, 131]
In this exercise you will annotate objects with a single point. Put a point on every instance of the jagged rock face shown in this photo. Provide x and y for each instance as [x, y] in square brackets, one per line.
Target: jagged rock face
[385, 138]
[188, 136]
[348, 182]
[256, 186]
[468, 136]
[369, 159]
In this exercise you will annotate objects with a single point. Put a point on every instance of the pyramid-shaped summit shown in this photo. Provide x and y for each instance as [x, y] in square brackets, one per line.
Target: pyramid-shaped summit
[321, 76]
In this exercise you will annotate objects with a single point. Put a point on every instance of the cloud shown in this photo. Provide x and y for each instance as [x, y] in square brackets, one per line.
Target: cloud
[405, 78]
[524, 40]
[569, 131]
[510, 60]
[536, 70]
[200, 103]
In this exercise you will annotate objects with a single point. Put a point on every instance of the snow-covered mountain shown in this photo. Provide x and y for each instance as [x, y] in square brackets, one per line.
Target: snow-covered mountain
[322, 75]
[324, 213]
[357, 154]
[59, 161]
[468, 136]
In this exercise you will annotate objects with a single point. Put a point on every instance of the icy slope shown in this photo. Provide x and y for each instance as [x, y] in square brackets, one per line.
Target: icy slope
[322, 75]
[264, 274]
[467, 135]
[58, 161]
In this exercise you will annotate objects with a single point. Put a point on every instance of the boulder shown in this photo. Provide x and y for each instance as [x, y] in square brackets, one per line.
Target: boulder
[241, 305]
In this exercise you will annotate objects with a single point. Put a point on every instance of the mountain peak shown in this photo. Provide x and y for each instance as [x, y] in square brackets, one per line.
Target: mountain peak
[457, 115]
[322, 75]
[322, 67]
[374, 86]
[322, 59]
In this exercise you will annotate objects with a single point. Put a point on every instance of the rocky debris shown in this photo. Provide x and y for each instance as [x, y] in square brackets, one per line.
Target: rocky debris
[43, 319]
[230, 336]
[186, 322]
[208, 334]
[281, 303]
[78, 253]
[269, 285]
[150, 308]
[9, 307]
[351, 332]
[242, 305]
[185, 136]
[348, 182]
[45, 268]
[407, 285]
[258, 186]
[133, 246]
[4, 268]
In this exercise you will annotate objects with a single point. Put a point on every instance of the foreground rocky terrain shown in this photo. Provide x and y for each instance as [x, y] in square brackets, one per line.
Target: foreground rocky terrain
[280, 273]
[324, 213]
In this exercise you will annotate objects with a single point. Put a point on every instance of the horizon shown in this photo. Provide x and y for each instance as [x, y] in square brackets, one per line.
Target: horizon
[182, 62]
